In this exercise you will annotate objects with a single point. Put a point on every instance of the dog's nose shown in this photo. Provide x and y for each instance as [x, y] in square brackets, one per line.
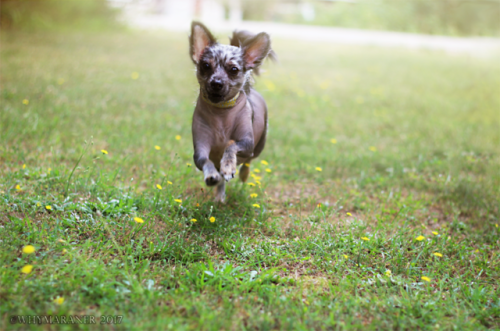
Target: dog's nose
[216, 85]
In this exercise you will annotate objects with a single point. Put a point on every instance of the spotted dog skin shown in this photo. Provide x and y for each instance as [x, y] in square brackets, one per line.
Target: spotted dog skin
[230, 118]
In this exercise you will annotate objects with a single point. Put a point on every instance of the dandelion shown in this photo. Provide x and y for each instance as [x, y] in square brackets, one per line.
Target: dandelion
[251, 184]
[257, 181]
[178, 200]
[319, 169]
[138, 220]
[188, 164]
[18, 187]
[264, 162]
[253, 195]
[59, 300]
[194, 220]
[349, 214]
[318, 205]
[50, 169]
[169, 182]
[256, 178]
[333, 141]
[420, 238]
[373, 148]
[365, 238]
[427, 279]
[38, 204]
[346, 257]
[157, 147]
[388, 272]
[438, 254]
[435, 233]
[197, 205]
[48, 207]
[496, 225]
[177, 137]
[256, 205]
[103, 151]
[26, 102]
[247, 164]
[256, 170]
[212, 219]
[64, 251]
[24, 166]
[27, 269]
[134, 75]
[268, 170]
[158, 186]
[28, 249]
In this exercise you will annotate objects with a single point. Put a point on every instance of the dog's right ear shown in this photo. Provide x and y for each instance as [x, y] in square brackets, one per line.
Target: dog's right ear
[199, 39]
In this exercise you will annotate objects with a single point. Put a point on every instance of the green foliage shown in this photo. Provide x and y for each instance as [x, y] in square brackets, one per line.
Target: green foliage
[57, 14]
[451, 17]
[379, 159]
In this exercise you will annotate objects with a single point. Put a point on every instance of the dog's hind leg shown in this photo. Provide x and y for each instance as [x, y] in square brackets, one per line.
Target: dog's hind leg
[245, 170]
[220, 196]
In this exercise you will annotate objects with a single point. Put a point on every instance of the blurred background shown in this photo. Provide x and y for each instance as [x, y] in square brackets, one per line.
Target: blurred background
[440, 17]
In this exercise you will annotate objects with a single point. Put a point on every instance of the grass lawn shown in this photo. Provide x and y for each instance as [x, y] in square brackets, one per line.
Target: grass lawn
[375, 204]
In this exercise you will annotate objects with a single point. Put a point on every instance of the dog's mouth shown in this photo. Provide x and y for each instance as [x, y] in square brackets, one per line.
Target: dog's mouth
[215, 97]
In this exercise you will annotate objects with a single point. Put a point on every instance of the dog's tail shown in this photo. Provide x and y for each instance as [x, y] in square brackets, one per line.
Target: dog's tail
[239, 38]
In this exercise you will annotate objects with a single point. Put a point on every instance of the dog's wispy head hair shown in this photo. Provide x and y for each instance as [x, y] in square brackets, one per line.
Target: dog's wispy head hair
[224, 70]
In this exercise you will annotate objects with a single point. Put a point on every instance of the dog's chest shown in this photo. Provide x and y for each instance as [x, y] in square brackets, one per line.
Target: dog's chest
[221, 134]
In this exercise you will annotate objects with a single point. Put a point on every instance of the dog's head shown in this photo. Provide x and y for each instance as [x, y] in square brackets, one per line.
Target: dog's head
[222, 70]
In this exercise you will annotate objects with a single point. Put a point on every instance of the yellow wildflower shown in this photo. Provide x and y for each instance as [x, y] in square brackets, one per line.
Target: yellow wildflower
[169, 182]
[256, 170]
[38, 204]
[138, 220]
[251, 184]
[346, 257]
[318, 205]
[268, 170]
[373, 148]
[197, 205]
[438, 254]
[26, 102]
[388, 272]
[27, 269]
[333, 141]
[59, 300]
[318, 169]
[427, 279]
[212, 219]
[158, 186]
[157, 147]
[365, 238]
[48, 207]
[435, 233]
[193, 220]
[134, 75]
[253, 195]
[177, 137]
[64, 251]
[24, 166]
[420, 238]
[349, 214]
[103, 151]
[257, 182]
[18, 187]
[247, 164]
[264, 162]
[178, 200]
[28, 249]
[188, 164]
[256, 205]
[50, 169]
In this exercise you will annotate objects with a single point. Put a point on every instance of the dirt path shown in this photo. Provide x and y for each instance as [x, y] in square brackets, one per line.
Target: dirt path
[472, 46]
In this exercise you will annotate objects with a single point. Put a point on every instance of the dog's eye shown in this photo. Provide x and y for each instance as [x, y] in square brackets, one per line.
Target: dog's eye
[234, 70]
[205, 65]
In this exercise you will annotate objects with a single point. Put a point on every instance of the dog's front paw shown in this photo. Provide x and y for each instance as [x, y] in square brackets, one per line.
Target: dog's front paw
[228, 166]
[212, 177]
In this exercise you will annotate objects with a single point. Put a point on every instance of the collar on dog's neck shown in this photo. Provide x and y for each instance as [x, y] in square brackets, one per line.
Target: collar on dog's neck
[222, 104]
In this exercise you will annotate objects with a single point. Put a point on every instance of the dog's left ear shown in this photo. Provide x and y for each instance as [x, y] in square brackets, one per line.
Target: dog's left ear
[199, 39]
[255, 50]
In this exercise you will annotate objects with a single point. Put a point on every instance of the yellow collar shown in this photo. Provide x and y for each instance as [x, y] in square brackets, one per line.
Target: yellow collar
[222, 104]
